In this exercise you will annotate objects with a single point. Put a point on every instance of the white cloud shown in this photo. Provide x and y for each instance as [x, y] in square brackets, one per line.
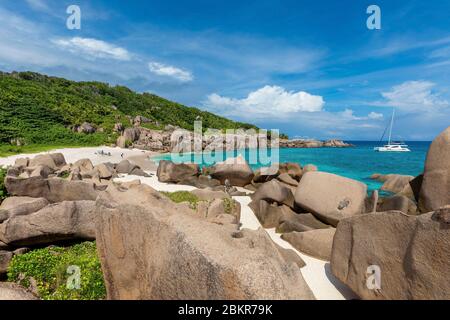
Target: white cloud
[93, 48]
[269, 101]
[170, 71]
[348, 114]
[375, 116]
[414, 96]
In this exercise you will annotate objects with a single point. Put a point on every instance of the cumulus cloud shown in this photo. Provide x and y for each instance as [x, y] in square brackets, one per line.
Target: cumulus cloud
[414, 96]
[93, 48]
[269, 101]
[170, 71]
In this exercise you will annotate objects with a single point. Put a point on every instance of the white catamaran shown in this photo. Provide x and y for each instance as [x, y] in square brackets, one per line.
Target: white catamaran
[392, 146]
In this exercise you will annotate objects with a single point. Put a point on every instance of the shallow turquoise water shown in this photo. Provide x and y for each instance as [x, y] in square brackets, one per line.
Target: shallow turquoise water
[358, 163]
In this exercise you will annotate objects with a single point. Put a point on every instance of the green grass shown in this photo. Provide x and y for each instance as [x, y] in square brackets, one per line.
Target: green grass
[49, 269]
[183, 196]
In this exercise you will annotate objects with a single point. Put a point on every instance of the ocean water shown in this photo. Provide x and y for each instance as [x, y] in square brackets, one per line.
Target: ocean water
[358, 163]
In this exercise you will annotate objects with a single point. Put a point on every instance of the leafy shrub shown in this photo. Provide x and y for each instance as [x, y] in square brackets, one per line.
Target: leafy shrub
[3, 192]
[229, 205]
[128, 143]
[49, 269]
[183, 196]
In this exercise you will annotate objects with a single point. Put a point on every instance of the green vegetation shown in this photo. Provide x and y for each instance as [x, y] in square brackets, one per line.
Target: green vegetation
[3, 192]
[40, 110]
[49, 269]
[183, 196]
[228, 204]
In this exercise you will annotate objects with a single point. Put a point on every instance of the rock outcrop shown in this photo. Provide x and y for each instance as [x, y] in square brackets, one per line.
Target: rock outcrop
[305, 143]
[398, 203]
[67, 220]
[316, 243]
[173, 254]
[411, 253]
[330, 197]
[169, 171]
[12, 291]
[17, 206]
[274, 191]
[291, 221]
[395, 183]
[54, 189]
[435, 190]
[235, 170]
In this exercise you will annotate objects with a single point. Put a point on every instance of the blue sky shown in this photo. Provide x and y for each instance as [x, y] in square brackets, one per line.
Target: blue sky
[309, 68]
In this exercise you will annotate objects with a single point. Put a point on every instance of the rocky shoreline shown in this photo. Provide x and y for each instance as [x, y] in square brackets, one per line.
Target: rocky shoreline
[311, 143]
[163, 140]
[200, 251]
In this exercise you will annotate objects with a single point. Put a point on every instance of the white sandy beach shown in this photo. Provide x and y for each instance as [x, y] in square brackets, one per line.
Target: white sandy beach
[316, 272]
[74, 154]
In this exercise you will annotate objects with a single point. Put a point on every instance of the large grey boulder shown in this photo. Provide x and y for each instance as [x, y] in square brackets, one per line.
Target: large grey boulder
[21, 162]
[330, 197]
[291, 256]
[125, 167]
[172, 254]
[411, 253]
[267, 213]
[224, 206]
[287, 179]
[396, 183]
[86, 127]
[131, 134]
[54, 189]
[84, 165]
[292, 169]
[40, 171]
[398, 203]
[315, 243]
[435, 191]
[43, 160]
[292, 221]
[235, 170]
[104, 171]
[274, 191]
[169, 171]
[66, 220]
[15, 206]
[12, 291]
[58, 159]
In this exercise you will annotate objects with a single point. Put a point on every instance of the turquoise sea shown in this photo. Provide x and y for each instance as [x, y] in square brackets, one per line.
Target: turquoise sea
[358, 163]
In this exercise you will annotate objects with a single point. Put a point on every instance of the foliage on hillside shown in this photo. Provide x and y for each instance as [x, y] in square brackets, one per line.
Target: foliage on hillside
[39, 109]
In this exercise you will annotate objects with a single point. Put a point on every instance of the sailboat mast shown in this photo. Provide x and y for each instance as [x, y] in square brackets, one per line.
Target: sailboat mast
[392, 123]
